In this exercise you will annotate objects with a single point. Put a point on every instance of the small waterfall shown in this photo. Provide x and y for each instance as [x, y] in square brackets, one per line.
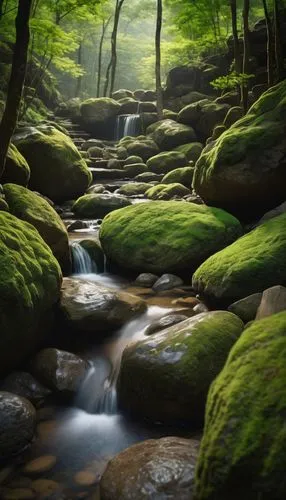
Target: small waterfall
[127, 125]
[98, 392]
[81, 261]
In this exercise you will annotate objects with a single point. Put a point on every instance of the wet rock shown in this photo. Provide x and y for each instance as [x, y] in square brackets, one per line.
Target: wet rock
[99, 205]
[148, 177]
[167, 282]
[166, 377]
[165, 322]
[203, 116]
[169, 134]
[17, 424]
[132, 170]
[146, 280]
[167, 191]
[17, 494]
[166, 162]
[281, 209]
[246, 308]
[133, 159]
[160, 469]
[273, 301]
[40, 465]
[85, 478]
[45, 488]
[90, 307]
[96, 189]
[61, 371]
[25, 385]
[77, 224]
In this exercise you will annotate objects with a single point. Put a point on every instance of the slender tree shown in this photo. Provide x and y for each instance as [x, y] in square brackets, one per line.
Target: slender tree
[79, 61]
[159, 90]
[17, 78]
[270, 55]
[244, 86]
[111, 69]
[104, 27]
[278, 45]
[236, 48]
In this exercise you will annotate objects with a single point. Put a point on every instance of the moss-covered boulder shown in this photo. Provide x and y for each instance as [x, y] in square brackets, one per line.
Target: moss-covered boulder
[169, 134]
[135, 169]
[98, 205]
[29, 287]
[243, 449]
[57, 168]
[191, 151]
[251, 264]
[99, 109]
[167, 191]
[180, 175]
[203, 116]
[121, 93]
[31, 207]
[166, 236]
[17, 169]
[244, 171]
[167, 161]
[133, 189]
[144, 147]
[166, 377]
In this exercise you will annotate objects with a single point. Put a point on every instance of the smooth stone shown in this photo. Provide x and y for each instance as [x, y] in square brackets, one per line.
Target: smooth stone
[17, 494]
[25, 385]
[155, 469]
[40, 464]
[273, 301]
[146, 280]
[77, 224]
[45, 487]
[246, 308]
[85, 478]
[167, 282]
[165, 322]
[61, 371]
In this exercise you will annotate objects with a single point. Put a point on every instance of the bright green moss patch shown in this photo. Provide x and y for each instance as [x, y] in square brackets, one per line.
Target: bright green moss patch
[244, 434]
[29, 287]
[16, 169]
[167, 377]
[167, 191]
[181, 175]
[251, 264]
[29, 206]
[166, 236]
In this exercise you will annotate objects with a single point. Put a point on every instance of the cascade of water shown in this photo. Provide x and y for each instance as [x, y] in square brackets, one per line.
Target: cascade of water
[81, 261]
[127, 125]
[98, 392]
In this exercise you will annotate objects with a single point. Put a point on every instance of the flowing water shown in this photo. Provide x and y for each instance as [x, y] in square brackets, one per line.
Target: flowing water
[127, 125]
[81, 261]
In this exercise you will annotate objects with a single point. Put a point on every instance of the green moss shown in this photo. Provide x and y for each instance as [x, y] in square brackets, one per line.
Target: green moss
[99, 109]
[243, 170]
[167, 377]
[4, 205]
[166, 236]
[251, 264]
[32, 208]
[98, 205]
[167, 161]
[29, 287]
[145, 148]
[203, 116]
[135, 169]
[167, 191]
[191, 151]
[57, 168]
[16, 169]
[133, 189]
[169, 134]
[180, 175]
[244, 435]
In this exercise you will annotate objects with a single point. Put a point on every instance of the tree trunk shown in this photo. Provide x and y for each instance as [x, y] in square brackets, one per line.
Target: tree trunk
[1, 8]
[244, 86]
[79, 78]
[236, 50]
[159, 90]
[270, 58]
[103, 31]
[114, 45]
[17, 78]
[278, 45]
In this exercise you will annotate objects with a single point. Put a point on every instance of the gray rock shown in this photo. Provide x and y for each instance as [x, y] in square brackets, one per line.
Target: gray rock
[25, 385]
[167, 282]
[165, 322]
[273, 213]
[146, 280]
[17, 424]
[246, 308]
[273, 301]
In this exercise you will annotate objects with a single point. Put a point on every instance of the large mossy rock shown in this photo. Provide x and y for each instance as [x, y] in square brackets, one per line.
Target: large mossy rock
[244, 171]
[29, 287]
[17, 169]
[191, 151]
[169, 134]
[251, 264]
[31, 207]
[166, 377]
[157, 468]
[167, 161]
[57, 168]
[182, 175]
[99, 109]
[243, 448]
[99, 205]
[203, 116]
[144, 147]
[166, 236]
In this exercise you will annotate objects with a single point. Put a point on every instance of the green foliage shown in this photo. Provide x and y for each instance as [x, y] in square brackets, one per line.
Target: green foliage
[231, 81]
